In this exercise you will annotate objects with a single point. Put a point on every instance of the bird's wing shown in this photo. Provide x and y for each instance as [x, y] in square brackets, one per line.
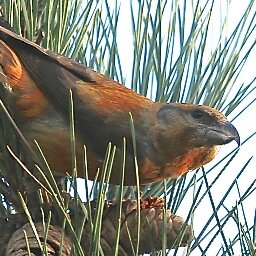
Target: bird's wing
[55, 75]
[101, 105]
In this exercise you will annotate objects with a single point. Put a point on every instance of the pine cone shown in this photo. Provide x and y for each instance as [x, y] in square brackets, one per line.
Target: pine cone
[151, 230]
[17, 245]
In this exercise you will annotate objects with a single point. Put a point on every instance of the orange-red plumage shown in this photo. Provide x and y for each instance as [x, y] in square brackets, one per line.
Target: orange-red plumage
[171, 139]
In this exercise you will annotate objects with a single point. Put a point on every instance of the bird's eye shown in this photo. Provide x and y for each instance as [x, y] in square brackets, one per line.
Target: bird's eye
[197, 114]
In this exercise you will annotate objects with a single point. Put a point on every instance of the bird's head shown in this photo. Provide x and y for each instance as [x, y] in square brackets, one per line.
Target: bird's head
[192, 126]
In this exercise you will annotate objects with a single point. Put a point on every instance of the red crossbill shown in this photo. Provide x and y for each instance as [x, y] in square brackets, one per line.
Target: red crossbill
[171, 138]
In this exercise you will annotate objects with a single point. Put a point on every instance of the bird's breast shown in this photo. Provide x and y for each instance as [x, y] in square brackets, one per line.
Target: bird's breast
[176, 166]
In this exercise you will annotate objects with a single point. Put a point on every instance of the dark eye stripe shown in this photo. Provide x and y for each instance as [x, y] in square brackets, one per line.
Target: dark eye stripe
[197, 114]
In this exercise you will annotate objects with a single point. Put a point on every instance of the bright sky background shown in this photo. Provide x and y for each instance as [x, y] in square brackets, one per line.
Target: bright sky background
[246, 123]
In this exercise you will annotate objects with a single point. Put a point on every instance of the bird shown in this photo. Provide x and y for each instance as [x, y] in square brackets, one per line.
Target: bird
[169, 139]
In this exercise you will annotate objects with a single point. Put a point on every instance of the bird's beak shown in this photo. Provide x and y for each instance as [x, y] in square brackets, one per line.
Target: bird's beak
[224, 134]
[231, 133]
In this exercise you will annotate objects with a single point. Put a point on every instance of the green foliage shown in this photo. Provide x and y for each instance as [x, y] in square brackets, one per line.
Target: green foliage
[174, 59]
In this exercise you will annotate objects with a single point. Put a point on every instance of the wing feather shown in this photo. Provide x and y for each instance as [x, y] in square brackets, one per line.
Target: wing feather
[101, 105]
